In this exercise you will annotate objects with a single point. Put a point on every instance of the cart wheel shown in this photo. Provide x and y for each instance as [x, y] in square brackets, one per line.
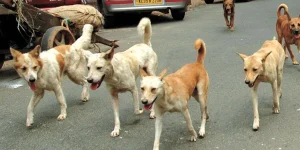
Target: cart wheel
[2, 59]
[56, 36]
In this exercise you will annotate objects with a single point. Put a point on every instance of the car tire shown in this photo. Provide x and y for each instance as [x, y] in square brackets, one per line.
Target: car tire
[109, 21]
[209, 1]
[178, 14]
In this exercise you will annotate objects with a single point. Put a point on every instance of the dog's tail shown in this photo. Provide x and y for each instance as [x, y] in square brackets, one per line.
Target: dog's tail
[144, 29]
[285, 8]
[84, 41]
[201, 48]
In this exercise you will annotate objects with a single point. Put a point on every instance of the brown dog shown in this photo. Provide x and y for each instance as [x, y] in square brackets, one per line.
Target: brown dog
[288, 28]
[228, 7]
[172, 93]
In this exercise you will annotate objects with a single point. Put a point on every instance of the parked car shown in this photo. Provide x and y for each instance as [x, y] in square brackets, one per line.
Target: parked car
[212, 1]
[110, 8]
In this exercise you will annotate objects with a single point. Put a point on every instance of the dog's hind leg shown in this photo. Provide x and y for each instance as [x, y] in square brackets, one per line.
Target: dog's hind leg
[61, 100]
[255, 107]
[288, 46]
[136, 101]
[35, 99]
[276, 107]
[189, 124]
[201, 98]
[279, 79]
[78, 78]
[115, 104]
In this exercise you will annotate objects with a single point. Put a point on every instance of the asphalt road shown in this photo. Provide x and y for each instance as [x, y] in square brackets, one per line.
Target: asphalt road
[88, 125]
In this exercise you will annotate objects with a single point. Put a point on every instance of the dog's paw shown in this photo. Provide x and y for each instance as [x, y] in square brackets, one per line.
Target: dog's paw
[295, 63]
[115, 133]
[152, 115]
[62, 117]
[276, 110]
[231, 29]
[138, 112]
[194, 138]
[201, 133]
[29, 124]
[255, 127]
[85, 97]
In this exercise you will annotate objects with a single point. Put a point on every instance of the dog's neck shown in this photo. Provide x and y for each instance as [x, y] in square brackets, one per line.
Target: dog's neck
[162, 99]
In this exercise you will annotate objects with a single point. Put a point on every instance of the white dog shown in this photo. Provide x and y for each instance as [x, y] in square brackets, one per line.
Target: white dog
[45, 70]
[120, 70]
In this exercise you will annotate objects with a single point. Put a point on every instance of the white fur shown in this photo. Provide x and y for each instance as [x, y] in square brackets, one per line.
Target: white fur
[49, 76]
[122, 70]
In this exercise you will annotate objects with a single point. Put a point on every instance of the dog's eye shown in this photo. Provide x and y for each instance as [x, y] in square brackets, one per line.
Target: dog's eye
[153, 89]
[298, 24]
[24, 69]
[142, 89]
[245, 69]
[35, 67]
[254, 69]
[88, 68]
[99, 68]
[293, 25]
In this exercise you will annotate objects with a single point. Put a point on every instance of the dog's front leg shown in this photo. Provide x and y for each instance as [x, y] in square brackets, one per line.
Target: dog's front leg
[288, 46]
[85, 95]
[189, 124]
[35, 99]
[158, 127]
[115, 104]
[136, 101]
[226, 20]
[61, 100]
[232, 22]
[275, 98]
[255, 107]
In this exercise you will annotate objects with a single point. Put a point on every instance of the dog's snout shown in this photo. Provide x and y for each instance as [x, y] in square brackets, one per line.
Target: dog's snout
[31, 79]
[247, 81]
[89, 80]
[144, 101]
[296, 32]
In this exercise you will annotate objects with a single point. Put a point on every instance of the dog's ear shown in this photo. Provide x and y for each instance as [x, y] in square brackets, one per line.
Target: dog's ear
[109, 54]
[143, 73]
[243, 56]
[15, 53]
[265, 56]
[162, 74]
[36, 51]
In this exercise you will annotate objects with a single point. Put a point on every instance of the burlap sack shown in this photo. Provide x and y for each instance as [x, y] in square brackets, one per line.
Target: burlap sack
[80, 15]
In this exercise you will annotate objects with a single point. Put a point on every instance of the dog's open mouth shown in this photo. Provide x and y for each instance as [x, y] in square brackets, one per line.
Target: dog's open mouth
[252, 84]
[96, 85]
[149, 106]
[297, 36]
[228, 11]
[32, 85]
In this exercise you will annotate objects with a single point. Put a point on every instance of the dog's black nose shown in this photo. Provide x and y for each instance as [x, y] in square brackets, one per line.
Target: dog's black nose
[247, 81]
[31, 79]
[89, 80]
[296, 32]
[144, 102]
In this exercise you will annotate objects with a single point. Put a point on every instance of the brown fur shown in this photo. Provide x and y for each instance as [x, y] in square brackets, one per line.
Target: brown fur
[63, 49]
[228, 8]
[286, 27]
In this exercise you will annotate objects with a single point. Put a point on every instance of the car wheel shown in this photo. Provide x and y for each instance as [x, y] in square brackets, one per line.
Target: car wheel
[178, 14]
[2, 59]
[109, 21]
[209, 1]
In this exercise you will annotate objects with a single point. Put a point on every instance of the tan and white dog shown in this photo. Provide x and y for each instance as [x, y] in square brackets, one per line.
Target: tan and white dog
[45, 70]
[265, 65]
[121, 70]
[172, 93]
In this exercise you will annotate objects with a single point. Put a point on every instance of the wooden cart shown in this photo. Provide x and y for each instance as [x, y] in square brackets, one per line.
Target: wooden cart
[43, 29]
